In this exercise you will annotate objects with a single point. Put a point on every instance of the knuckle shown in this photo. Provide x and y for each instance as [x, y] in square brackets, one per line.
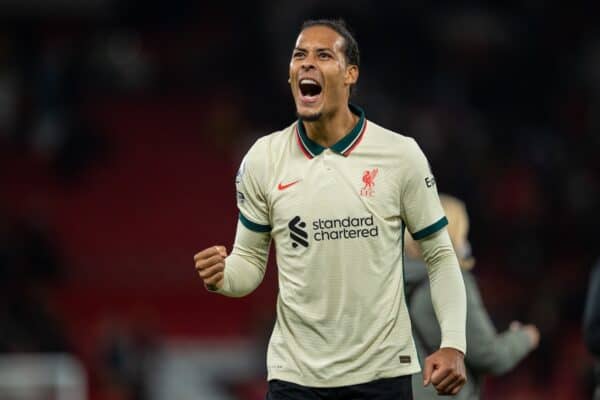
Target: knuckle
[215, 278]
[203, 267]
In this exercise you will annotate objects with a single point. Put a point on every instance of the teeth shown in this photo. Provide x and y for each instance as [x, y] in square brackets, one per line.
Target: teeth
[308, 82]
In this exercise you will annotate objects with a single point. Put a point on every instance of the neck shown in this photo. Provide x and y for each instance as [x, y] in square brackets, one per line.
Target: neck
[329, 129]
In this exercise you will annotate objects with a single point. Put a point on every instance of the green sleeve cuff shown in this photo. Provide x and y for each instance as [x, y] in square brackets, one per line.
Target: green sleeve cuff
[433, 228]
[253, 226]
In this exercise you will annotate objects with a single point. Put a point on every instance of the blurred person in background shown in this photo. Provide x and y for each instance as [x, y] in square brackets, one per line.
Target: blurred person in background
[591, 323]
[489, 351]
[335, 192]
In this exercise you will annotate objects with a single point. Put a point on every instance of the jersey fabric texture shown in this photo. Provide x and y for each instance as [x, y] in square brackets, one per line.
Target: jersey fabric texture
[337, 217]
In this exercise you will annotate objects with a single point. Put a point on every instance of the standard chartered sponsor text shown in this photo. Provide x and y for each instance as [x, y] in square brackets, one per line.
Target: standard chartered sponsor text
[344, 228]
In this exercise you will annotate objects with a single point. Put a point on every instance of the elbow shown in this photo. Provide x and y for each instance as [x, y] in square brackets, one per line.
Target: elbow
[237, 291]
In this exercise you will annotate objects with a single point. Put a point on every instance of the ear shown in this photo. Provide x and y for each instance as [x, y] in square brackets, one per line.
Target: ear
[351, 75]
[289, 80]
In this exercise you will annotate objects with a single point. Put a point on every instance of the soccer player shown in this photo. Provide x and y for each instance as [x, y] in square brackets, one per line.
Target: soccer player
[335, 192]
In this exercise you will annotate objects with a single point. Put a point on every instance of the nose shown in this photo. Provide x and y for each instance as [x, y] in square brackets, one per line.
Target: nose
[308, 62]
[307, 66]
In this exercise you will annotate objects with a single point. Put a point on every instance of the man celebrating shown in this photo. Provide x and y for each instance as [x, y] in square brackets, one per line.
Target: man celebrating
[335, 191]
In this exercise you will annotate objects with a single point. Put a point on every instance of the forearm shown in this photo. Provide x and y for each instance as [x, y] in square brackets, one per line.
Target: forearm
[447, 289]
[245, 266]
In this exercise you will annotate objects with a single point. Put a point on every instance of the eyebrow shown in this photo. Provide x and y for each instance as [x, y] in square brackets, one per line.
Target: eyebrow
[318, 49]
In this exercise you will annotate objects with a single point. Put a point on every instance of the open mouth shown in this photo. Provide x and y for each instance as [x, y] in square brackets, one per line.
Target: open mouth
[309, 88]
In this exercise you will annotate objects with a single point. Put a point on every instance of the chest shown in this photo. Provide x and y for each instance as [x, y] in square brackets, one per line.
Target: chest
[331, 186]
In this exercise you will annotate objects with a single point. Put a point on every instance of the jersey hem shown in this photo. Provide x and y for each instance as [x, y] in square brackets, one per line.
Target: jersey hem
[436, 226]
[347, 380]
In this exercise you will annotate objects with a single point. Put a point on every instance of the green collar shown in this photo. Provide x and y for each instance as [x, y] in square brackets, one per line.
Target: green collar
[344, 146]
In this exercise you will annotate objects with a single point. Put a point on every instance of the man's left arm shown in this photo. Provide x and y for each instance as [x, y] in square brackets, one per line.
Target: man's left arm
[424, 217]
[445, 368]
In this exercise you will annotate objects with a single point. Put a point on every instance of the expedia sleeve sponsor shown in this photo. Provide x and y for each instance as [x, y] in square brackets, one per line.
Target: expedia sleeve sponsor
[420, 205]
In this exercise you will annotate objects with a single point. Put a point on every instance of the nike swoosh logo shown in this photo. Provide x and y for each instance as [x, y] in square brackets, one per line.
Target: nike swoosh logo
[287, 185]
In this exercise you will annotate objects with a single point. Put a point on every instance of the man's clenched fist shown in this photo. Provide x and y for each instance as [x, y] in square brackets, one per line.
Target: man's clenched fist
[210, 264]
[445, 369]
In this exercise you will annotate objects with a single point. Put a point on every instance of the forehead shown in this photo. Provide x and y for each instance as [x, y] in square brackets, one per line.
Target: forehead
[320, 36]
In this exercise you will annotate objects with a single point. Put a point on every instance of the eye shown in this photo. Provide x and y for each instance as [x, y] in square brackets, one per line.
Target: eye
[297, 54]
[324, 56]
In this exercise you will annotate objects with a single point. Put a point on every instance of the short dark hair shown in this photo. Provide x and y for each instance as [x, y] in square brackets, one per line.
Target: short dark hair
[350, 48]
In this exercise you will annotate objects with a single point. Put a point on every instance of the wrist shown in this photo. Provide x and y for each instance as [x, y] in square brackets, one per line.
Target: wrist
[457, 351]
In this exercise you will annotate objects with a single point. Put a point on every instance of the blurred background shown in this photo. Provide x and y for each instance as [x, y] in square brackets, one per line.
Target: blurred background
[122, 124]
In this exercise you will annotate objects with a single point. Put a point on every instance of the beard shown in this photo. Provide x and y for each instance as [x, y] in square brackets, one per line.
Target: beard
[309, 117]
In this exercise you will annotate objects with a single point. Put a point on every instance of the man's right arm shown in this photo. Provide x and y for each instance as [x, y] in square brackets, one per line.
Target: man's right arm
[242, 271]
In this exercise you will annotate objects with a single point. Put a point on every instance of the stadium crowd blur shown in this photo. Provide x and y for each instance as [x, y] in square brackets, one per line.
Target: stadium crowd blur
[122, 125]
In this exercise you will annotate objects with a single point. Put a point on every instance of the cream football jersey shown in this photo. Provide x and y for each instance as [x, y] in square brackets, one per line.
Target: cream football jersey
[337, 217]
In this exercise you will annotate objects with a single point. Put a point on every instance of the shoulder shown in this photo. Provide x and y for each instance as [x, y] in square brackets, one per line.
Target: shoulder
[403, 145]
